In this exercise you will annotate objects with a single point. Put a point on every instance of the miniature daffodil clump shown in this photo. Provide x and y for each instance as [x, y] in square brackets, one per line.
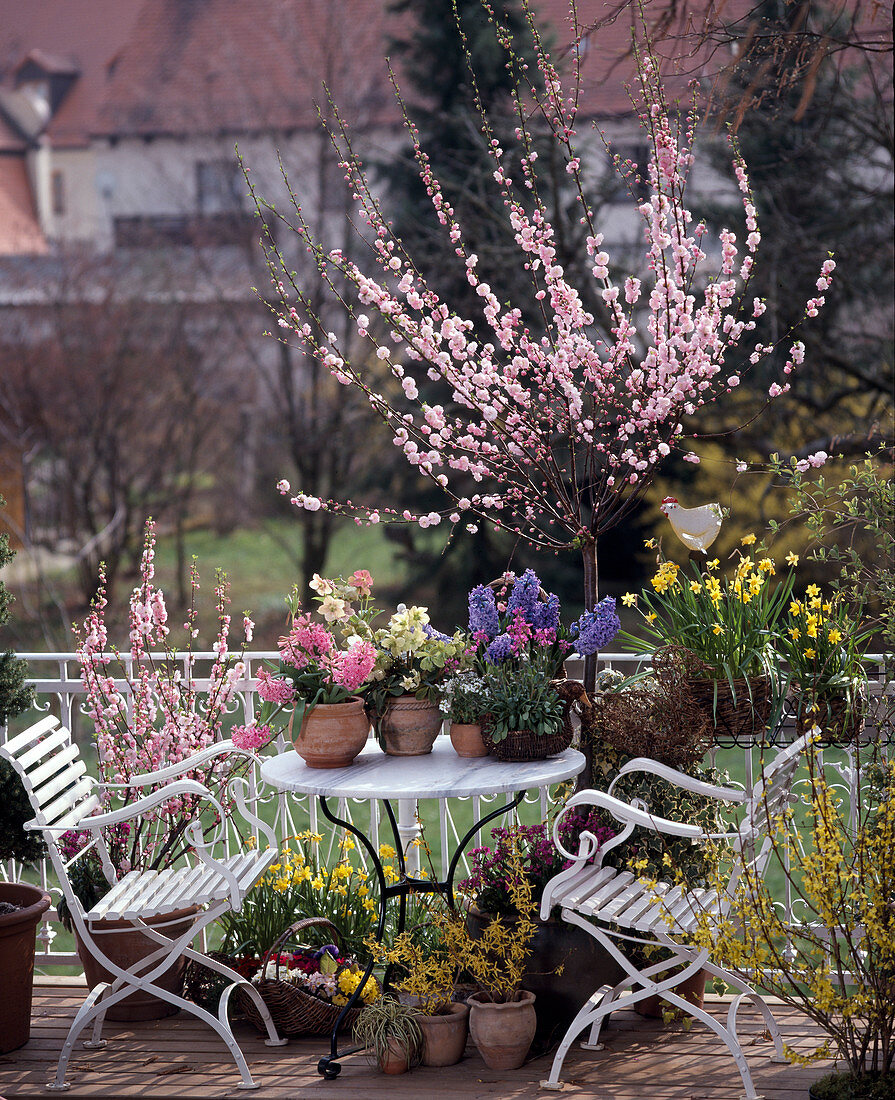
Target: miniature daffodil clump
[728, 621]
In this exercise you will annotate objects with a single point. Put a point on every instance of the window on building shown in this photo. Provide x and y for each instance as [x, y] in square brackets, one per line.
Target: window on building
[57, 191]
[220, 187]
[633, 160]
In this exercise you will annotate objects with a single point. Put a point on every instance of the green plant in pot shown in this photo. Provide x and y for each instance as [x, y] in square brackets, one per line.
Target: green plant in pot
[390, 1032]
[21, 905]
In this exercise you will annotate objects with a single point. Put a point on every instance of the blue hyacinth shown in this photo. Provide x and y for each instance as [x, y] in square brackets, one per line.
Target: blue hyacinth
[596, 629]
[546, 615]
[483, 617]
[524, 596]
[499, 650]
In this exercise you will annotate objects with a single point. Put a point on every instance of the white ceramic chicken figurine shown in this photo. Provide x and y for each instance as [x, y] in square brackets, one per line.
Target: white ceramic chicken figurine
[697, 528]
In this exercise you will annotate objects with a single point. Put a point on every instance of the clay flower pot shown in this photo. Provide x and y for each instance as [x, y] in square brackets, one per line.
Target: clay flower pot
[17, 933]
[409, 726]
[444, 1035]
[332, 735]
[394, 1059]
[467, 739]
[502, 1031]
[125, 946]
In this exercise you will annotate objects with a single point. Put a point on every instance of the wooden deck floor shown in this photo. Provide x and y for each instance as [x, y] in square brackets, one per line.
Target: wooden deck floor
[180, 1059]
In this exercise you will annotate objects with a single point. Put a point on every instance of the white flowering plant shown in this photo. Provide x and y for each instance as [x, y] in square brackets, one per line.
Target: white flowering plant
[464, 697]
[413, 658]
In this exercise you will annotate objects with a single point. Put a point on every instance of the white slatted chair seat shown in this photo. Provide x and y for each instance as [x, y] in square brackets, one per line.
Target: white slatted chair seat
[63, 797]
[642, 904]
[611, 904]
[154, 893]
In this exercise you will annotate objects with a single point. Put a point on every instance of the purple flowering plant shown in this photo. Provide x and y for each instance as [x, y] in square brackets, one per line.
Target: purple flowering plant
[515, 620]
[494, 869]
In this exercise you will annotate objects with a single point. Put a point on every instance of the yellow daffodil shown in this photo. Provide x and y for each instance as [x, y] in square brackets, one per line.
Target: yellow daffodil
[747, 540]
[812, 590]
[695, 586]
[717, 629]
[811, 630]
[651, 617]
[713, 564]
[792, 559]
[766, 565]
[795, 633]
[835, 636]
[629, 599]
[795, 608]
[386, 851]
[810, 654]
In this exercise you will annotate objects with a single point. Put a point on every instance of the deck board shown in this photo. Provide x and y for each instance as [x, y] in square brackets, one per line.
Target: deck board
[180, 1059]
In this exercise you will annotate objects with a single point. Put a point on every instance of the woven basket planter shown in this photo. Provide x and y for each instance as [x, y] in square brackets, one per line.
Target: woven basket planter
[740, 715]
[841, 718]
[521, 745]
[294, 1011]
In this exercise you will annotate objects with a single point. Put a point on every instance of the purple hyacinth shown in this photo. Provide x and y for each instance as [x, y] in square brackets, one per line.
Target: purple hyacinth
[595, 629]
[483, 617]
[499, 650]
[525, 595]
[546, 615]
[431, 632]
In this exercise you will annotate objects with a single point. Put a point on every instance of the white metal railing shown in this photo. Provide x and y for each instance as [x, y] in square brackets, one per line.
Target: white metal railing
[58, 689]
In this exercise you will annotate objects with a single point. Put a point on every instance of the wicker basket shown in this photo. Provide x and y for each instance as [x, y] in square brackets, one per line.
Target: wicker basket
[739, 714]
[841, 718]
[521, 745]
[293, 1010]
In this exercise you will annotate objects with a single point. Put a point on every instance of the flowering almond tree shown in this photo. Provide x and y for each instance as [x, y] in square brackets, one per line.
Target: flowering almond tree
[554, 434]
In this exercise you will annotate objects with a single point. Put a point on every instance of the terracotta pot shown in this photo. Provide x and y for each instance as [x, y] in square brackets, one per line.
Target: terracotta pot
[466, 737]
[502, 1032]
[444, 1035]
[564, 967]
[17, 933]
[125, 946]
[332, 735]
[409, 726]
[395, 1059]
[692, 990]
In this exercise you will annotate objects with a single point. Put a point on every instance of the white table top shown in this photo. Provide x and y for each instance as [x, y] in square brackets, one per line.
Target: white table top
[439, 774]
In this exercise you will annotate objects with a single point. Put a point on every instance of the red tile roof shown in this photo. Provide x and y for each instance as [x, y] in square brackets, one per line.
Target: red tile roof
[19, 229]
[84, 34]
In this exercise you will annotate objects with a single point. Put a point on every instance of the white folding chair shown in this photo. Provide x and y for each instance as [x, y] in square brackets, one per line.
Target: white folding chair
[612, 904]
[64, 797]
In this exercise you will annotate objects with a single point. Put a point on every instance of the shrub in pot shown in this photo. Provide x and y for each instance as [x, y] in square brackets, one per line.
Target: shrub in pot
[21, 905]
[564, 962]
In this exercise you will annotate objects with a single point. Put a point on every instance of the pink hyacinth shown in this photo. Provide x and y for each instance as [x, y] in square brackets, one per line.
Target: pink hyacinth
[273, 690]
[351, 668]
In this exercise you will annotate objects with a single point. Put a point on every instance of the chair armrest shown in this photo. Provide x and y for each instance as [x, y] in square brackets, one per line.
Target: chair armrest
[149, 801]
[191, 762]
[630, 815]
[679, 779]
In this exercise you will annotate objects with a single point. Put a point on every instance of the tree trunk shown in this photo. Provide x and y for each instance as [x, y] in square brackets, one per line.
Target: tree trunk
[591, 596]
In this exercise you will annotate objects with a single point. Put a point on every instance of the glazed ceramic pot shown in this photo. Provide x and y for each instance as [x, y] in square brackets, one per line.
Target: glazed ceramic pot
[502, 1030]
[444, 1035]
[125, 946]
[17, 934]
[409, 726]
[332, 734]
[466, 737]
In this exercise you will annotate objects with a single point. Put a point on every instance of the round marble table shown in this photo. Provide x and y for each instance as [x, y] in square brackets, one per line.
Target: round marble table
[439, 774]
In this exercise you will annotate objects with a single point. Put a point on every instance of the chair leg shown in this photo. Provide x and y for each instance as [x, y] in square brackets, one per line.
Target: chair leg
[273, 1039]
[725, 1033]
[82, 1018]
[746, 990]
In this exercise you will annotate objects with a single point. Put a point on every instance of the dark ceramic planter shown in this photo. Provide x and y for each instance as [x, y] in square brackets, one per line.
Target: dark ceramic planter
[585, 966]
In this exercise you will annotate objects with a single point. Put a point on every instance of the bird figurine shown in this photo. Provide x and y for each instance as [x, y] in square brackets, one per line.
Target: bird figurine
[697, 528]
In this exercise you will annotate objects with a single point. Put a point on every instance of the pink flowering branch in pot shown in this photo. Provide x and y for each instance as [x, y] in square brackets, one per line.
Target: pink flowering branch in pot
[550, 433]
[149, 713]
